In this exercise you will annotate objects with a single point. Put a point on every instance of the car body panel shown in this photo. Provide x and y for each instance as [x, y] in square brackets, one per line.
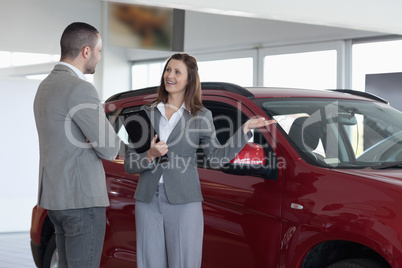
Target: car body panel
[344, 208]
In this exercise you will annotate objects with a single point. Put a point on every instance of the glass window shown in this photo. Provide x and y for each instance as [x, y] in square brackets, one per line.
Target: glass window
[5, 59]
[373, 58]
[20, 59]
[118, 123]
[90, 77]
[238, 71]
[312, 70]
[227, 120]
[146, 74]
[340, 133]
[37, 76]
[8, 59]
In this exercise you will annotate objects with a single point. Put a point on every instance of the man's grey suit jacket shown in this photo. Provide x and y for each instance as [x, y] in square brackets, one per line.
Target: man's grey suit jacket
[68, 114]
[180, 175]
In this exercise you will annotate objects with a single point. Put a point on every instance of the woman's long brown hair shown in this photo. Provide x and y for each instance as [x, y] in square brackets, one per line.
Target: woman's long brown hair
[192, 96]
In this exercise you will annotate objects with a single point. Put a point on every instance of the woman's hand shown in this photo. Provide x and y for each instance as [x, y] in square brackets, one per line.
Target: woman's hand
[256, 122]
[156, 149]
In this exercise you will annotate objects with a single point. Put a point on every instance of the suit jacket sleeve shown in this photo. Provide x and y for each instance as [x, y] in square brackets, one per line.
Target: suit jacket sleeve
[87, 113]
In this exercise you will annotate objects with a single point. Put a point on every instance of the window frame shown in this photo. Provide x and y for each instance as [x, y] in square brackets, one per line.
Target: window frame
[269, 145]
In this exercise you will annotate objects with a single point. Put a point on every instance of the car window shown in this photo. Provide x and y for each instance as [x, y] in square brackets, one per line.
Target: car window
[227, 120]
[117, 119]
[339, 133]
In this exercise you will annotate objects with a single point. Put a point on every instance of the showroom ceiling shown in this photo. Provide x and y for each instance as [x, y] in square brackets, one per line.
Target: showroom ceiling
[367, 15]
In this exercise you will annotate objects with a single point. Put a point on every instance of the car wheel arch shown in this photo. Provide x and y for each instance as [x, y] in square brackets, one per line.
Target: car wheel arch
[328, 252]
[46, 234]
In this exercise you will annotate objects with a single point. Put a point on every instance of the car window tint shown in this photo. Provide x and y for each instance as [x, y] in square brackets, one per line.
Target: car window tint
[118, 126]
[339, 132]
[227, 120]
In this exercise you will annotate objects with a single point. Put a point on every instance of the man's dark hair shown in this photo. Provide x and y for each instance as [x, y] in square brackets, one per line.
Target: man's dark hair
[76, 36]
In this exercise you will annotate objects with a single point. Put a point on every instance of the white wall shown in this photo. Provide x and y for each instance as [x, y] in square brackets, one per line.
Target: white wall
[36, 27]
[19, 154]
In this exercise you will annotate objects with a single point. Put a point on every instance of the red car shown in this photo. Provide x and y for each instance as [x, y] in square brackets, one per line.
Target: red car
[322, 187]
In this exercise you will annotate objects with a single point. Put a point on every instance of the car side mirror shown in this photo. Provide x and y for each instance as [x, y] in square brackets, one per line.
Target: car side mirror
[251, 160]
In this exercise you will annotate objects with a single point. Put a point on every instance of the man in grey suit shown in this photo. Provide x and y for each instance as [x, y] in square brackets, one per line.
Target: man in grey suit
[74, 135]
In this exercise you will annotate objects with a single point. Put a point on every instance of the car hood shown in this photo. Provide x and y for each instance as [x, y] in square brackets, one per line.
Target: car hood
[392, 176]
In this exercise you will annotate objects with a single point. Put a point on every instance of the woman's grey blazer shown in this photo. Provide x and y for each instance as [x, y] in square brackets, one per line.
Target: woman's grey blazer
[180, 174]
[67, 112]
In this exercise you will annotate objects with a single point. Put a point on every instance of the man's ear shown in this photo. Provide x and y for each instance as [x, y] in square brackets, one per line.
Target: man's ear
[86, 52]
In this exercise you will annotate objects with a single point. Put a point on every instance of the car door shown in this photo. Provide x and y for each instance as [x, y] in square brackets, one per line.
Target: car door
[242, 213]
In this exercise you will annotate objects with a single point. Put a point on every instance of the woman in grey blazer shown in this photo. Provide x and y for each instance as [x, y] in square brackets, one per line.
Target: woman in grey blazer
[168, 210]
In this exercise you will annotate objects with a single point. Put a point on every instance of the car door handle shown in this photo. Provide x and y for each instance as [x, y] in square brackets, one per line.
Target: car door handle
[296, 206]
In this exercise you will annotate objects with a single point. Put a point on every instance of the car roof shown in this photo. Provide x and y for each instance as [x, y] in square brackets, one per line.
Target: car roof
[262, 92]
[273, 92]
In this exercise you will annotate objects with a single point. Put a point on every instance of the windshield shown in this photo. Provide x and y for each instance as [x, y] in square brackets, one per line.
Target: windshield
[340, 133]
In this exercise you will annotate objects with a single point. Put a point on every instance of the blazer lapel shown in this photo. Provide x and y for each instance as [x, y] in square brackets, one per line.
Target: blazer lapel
[180, 127]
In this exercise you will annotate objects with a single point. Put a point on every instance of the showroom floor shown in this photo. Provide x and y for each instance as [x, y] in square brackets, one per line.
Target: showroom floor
[15, 251]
